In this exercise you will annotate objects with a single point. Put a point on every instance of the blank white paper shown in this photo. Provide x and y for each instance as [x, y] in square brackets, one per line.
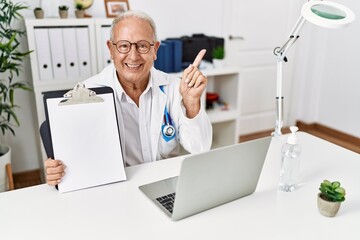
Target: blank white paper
[86, 138]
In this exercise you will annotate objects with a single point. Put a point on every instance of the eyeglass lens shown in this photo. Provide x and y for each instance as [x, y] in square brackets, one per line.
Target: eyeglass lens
[124, 46]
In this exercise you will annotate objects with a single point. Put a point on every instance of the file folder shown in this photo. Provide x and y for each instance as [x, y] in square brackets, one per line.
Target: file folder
[164, 58]
[85, 136]
[169, 56]
[83, 46]
[57, 53]
[105, 35]
[43, 53]
[71, 54]
[177, 54]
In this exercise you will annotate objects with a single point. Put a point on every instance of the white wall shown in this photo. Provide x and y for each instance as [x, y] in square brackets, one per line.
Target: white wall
[173, 18]
[341, 78]
[327, 76]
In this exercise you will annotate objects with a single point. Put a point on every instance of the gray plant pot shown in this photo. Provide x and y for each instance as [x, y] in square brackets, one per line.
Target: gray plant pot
[63, 13]
[39, 14]
[80, 13]
[327, 208]
[5, 158]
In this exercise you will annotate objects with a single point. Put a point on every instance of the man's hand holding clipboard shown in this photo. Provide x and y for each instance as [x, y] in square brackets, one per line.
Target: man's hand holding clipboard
[193, 84]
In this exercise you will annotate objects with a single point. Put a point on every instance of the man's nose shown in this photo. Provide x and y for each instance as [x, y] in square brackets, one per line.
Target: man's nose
[133, 53]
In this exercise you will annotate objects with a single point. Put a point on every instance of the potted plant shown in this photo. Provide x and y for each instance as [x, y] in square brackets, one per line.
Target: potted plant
[218, 55]
[330, 197]
[80, 11]
[11, 58]
[39, 13]
[63, 11]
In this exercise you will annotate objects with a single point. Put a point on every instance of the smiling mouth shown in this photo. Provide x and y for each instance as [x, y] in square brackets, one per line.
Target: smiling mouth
[133, 66]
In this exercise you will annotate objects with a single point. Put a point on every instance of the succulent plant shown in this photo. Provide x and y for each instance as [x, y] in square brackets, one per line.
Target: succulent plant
[332, 191]
[63, 7]
[79, 6]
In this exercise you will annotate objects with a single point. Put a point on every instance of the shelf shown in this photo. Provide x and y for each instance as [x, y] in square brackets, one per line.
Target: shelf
[218, 115]
[57, 22]
[57, 83]
[211, 72]
[220, 71]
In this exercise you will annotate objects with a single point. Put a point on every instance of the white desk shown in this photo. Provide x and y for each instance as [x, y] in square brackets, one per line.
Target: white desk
[121, 211]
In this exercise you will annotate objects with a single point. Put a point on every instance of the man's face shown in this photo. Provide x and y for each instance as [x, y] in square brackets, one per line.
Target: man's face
[133, 67]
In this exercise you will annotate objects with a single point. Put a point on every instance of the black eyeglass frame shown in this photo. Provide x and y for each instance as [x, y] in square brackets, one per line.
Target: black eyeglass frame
[136, 46]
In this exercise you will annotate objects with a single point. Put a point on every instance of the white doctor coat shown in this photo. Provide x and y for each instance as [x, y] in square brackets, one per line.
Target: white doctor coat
[195, 135]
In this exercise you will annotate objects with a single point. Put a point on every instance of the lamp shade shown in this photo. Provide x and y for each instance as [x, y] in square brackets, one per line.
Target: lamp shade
[327, 14]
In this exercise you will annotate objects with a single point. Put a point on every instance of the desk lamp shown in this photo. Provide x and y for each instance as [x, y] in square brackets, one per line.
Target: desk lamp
[322, 13]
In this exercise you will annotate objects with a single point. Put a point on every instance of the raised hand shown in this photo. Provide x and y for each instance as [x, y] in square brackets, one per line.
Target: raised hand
[193, 84]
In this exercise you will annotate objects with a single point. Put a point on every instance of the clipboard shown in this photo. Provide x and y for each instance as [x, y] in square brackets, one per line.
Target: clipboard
[84, 135]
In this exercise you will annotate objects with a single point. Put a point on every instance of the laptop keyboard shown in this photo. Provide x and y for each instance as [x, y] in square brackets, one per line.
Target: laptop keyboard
[167, 201]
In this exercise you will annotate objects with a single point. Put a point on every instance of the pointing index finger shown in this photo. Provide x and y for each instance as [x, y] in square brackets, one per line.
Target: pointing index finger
[199, 57]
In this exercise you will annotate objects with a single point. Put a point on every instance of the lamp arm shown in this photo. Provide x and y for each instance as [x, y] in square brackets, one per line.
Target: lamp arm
[280, 52]
[293, 36]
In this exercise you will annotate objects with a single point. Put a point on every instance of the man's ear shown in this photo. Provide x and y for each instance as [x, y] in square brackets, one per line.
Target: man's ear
[110, 45]
[156, 48]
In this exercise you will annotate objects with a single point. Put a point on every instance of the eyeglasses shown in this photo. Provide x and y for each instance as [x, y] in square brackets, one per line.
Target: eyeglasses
[124, 46]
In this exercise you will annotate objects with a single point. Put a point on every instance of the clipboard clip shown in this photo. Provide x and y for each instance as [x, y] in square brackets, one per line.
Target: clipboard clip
[80, 94]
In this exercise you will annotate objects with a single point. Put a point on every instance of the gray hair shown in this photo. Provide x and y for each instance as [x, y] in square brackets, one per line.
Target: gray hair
[136, 14]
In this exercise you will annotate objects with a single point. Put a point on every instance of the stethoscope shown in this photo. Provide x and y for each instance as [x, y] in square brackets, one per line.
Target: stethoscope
[168, 131]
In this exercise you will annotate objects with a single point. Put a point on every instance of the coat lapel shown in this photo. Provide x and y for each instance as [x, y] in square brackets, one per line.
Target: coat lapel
[157, 110]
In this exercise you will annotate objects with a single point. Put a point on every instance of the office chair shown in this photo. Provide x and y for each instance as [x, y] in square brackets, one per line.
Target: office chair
[46, 139]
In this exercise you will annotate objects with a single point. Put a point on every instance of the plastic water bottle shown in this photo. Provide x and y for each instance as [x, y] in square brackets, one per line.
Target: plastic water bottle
[290, 163]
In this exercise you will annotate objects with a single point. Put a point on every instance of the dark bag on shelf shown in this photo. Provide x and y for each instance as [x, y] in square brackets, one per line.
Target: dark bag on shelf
[192, 45]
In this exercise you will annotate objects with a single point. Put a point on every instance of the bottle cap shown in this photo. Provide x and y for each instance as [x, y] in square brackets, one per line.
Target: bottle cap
[292, 139]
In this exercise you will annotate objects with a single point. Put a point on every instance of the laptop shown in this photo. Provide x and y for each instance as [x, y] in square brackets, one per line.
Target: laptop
[210, 179]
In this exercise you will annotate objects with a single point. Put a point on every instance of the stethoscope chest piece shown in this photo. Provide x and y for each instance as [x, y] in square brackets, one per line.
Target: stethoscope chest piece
[168, 131]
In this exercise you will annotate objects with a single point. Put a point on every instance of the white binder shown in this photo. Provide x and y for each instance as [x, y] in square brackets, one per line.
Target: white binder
[71, 54]
[85, 136]
[43, 53]
[83, 46]
[57, 53]
[105, 35]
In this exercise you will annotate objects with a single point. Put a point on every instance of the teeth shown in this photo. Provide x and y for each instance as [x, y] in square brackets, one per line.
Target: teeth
[133, 65]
